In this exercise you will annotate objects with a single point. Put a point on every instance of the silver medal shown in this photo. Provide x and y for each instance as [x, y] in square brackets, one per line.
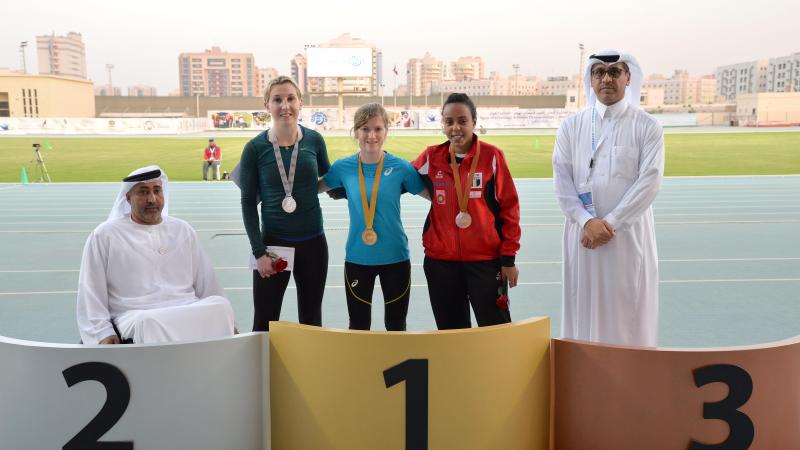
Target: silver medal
[288, 204]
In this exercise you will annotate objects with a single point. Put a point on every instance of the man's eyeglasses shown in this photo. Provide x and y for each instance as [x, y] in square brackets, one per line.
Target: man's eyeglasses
[614, 73]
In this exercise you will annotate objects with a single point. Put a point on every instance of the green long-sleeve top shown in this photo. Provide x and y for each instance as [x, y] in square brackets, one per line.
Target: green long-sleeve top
[259, 177]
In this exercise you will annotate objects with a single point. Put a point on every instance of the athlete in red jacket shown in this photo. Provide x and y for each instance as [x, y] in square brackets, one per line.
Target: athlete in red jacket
[470, 244]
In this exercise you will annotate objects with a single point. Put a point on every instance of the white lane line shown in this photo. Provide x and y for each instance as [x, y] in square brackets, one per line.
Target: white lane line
[714, 204]
[519, 263]
[524, 216]
[529, 283]
[236, 232]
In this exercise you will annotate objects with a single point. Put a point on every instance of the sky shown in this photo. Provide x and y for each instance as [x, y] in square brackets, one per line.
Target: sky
[144, 38]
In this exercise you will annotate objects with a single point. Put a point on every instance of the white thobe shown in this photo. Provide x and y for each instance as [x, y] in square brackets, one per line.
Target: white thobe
[155, 281]
[610, 294]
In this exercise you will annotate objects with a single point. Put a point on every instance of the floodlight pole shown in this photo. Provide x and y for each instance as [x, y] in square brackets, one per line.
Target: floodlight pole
[580, 76]
[110, 86]
[22, 46]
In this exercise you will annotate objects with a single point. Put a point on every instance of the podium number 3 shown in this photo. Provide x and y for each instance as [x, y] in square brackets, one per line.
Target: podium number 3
[415, 373]
[740, 387]
[118, 395]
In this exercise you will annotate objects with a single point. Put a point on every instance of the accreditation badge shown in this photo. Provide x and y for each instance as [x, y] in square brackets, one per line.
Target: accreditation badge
[440, 198]
[585, 194]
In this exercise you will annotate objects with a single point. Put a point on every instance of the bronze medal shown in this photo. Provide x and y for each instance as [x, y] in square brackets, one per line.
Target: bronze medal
[463, 220]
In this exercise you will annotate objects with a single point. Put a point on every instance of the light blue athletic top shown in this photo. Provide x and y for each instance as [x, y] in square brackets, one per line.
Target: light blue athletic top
[398, 174]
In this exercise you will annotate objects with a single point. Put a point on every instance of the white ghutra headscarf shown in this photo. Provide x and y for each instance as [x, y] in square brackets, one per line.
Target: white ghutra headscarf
[633, 92]
[147, 174]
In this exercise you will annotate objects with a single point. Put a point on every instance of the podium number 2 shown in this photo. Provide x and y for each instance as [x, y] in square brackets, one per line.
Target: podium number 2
[740, 387]
[415, 373]
[118, 395]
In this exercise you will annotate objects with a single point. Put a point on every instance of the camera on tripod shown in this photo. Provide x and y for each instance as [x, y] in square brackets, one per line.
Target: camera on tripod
[39, 158]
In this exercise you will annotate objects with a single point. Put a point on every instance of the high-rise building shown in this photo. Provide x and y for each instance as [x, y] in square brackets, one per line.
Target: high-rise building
[743, 78]
[466, 68]
[61, 55]
[423, 72]
[783, 74]
[362, 85]
[140, 90]
[217, 73]
[299, 71]
[263, 76]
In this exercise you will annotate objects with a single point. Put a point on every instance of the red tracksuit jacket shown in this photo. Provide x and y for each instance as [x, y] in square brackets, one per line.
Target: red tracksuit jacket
[493, 205]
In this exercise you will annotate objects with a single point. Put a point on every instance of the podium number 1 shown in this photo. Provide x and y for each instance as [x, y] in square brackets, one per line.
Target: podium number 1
[415, 373]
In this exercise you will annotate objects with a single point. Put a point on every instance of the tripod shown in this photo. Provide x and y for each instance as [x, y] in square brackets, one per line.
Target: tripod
[40, 165]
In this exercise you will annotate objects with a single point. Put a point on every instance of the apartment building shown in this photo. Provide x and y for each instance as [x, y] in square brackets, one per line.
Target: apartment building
[61, 55]
[217, 73]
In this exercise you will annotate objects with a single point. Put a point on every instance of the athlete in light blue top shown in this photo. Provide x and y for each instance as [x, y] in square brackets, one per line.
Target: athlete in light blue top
[376, 242]
[397, 175]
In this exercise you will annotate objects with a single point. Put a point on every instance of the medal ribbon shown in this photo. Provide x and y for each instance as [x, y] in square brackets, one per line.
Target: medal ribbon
[463, 194]
[288, 182]
[369, 207]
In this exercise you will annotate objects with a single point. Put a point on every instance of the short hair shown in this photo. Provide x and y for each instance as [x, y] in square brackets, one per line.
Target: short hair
[366, 112]
[458, 97]
[282, 79]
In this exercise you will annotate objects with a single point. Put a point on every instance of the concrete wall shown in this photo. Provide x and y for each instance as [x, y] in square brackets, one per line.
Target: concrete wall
[199, 106]
[54, 96]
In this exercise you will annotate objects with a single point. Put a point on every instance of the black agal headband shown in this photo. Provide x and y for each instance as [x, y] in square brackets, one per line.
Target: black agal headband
[142, 176]
[608, 59]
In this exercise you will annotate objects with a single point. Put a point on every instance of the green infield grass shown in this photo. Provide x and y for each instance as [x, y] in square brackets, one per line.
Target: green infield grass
[110, 159]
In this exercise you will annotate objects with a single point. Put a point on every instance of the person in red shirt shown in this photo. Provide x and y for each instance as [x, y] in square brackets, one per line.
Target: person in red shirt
[472, 232]
[211, 159]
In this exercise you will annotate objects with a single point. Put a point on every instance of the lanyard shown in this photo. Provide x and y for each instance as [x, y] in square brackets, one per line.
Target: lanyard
[463, 195]
[288, 181]
[595, 141]
[369, 207]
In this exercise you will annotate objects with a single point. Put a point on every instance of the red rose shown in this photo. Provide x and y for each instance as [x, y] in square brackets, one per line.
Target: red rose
[502, 302]
[279, 264]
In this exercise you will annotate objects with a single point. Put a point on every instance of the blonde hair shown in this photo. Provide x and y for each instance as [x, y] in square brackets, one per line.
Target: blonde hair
[282, 79]
[368, 111]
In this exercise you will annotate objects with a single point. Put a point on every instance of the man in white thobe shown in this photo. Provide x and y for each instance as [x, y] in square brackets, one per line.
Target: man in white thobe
[608, 165]
[148, 273]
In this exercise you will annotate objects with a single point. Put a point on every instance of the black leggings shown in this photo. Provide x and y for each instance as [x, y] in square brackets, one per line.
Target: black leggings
[310, 272]
[454, 285]
[396, 286]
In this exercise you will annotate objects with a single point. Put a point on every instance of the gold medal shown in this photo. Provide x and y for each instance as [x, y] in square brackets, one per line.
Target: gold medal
[370, 237]
[463, 219]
